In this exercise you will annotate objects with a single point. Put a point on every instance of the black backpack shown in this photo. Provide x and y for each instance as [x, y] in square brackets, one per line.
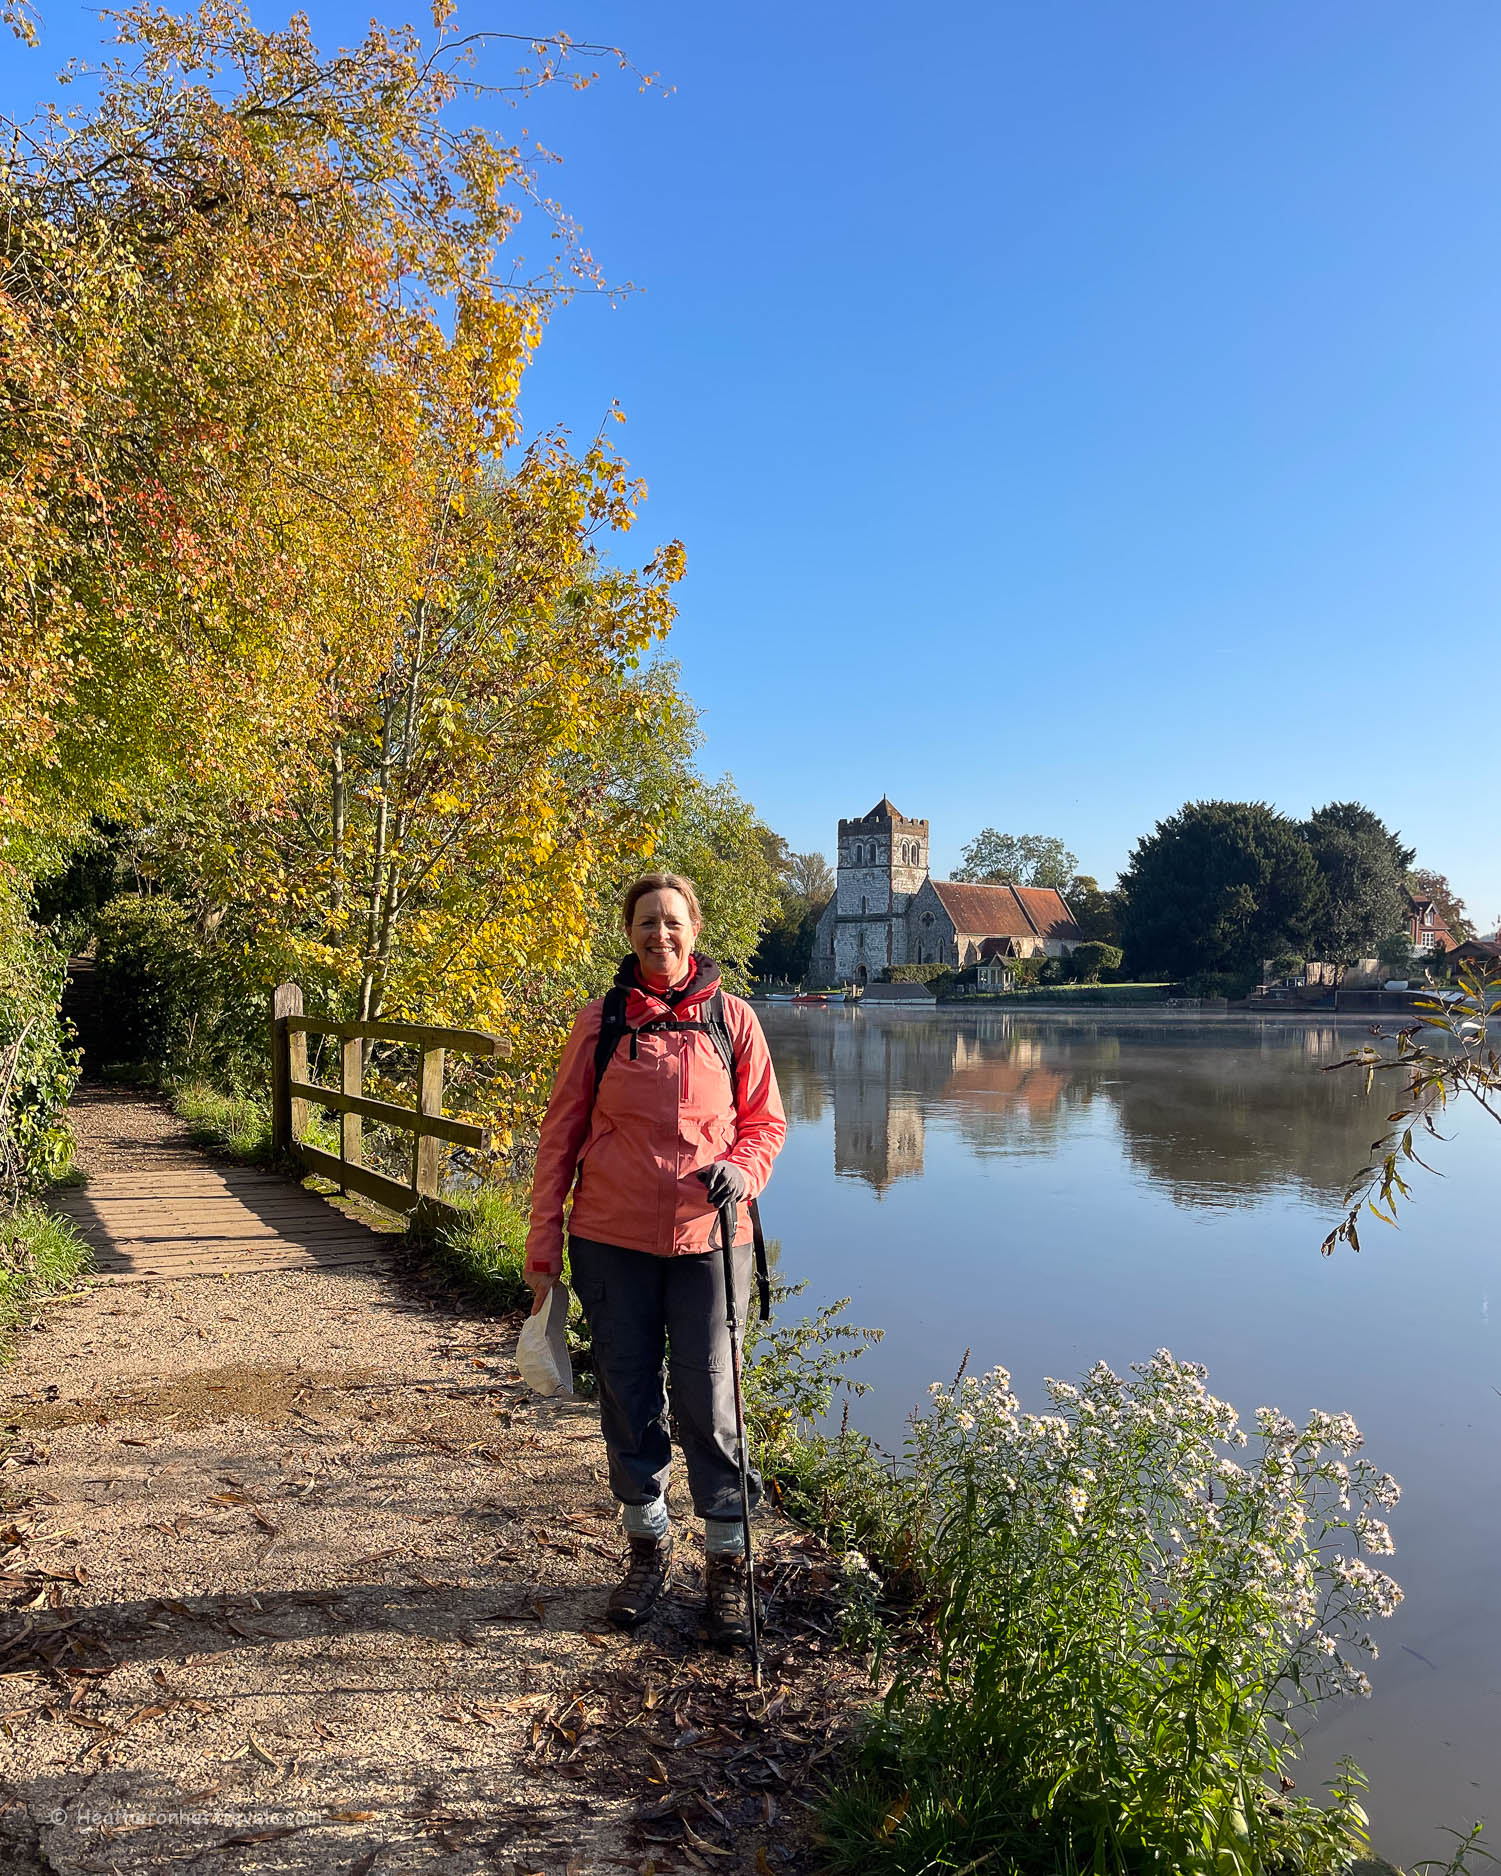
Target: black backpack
[713, 1022]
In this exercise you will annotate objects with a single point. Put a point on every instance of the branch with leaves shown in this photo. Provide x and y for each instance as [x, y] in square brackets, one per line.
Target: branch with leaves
[1433, 1075]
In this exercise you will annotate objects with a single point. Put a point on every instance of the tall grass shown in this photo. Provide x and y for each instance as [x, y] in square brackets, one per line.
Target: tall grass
[236, 1124]
[39, 1254]
[484, 1249]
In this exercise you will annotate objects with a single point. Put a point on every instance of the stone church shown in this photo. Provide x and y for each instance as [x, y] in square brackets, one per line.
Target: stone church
[887, 910]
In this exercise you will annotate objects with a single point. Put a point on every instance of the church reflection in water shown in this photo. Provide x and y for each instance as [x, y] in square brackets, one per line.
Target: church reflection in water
[1215, 1115]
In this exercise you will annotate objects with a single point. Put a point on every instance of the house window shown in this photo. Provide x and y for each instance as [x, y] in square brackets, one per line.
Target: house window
[1428, 916]
[1430, 941]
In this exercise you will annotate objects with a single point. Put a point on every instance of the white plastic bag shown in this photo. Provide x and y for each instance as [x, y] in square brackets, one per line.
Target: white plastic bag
[542, 1347]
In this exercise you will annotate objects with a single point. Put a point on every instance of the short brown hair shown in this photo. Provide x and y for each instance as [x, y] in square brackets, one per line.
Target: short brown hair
[663, 882]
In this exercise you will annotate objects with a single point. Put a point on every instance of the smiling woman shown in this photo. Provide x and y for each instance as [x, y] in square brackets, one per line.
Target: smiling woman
[650, 1139]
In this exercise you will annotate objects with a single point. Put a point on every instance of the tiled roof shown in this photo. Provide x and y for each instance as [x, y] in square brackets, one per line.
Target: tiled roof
[885, 810]
[991, 910]
[997, 948]
[1045, 907]
[1006, 911]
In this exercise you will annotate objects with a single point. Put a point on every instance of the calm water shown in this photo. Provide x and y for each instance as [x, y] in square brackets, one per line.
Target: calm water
[1046, 1191]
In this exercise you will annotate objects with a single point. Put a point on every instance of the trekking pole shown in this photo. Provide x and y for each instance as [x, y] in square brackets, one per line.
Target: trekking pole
[727, 1238]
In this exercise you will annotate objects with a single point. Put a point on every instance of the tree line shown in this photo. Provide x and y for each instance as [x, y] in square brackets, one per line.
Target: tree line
[1222, 889]
[1214, 894]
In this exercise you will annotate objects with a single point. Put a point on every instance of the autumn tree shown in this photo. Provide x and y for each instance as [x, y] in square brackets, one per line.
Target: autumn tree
[234, 298]
[280, 580]
[1424, 883]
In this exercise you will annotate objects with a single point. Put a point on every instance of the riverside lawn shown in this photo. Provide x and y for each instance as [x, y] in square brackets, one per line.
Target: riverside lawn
[1102, 1629]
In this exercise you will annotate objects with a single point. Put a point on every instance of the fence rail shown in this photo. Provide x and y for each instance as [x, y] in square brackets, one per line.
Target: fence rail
[292, 1094]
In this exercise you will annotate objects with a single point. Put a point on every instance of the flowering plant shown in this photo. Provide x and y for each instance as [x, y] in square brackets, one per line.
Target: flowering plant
[1136, 1603]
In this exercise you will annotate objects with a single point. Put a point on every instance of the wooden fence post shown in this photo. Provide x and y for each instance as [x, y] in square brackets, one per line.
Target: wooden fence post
[286, 1000]
[351, 1081]
[427, 1157]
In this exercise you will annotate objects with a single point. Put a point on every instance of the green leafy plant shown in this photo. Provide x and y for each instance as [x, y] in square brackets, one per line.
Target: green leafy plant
[1131, 1617]
[236, 1124]
[39, 1253]
[172, 1002]
[38, 1059]
[485, 1246]
[1086, 961]
[1434, 1073]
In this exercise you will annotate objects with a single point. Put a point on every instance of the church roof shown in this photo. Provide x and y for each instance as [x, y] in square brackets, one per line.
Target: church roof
[1006, 911]
[885, 810]
[1048, 911]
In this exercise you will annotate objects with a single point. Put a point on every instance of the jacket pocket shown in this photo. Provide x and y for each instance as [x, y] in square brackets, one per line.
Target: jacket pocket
[704, 1085]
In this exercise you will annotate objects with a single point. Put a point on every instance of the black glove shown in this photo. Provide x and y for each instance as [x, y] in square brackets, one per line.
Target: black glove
[723, 1181]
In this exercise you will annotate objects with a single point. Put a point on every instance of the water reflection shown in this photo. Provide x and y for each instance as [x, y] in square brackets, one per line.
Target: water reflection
[1215, 1114]
[1047, 1191]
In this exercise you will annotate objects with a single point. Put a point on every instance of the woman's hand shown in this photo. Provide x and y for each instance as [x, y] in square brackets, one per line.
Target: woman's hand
[540, 1283]
[723, 1182]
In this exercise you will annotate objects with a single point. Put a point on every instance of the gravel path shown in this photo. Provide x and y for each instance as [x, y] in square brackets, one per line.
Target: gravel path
[301, 1578]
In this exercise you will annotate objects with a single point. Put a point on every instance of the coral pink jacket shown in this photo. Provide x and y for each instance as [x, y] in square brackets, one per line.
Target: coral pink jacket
[665, 1109]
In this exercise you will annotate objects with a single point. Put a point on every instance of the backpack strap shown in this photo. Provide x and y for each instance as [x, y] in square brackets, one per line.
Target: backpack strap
[715, 1024]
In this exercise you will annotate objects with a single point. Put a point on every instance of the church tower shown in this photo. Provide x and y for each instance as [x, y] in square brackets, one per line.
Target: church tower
[883, 861]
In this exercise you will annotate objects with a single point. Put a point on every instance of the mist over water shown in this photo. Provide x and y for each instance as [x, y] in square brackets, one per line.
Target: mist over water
[1045, 1191]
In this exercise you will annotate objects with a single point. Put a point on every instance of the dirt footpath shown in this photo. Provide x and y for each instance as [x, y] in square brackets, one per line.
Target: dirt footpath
[300, 1578]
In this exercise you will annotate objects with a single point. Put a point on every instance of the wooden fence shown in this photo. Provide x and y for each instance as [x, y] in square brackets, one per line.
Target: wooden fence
[292, 1094]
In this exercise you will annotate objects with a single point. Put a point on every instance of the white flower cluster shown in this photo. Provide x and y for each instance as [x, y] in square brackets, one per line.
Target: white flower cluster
[1120, 1523]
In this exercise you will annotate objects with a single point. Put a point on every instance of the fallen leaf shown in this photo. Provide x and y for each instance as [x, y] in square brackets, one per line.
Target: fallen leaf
[894, 1815]
[692, 1838]
[763, 1868]
[258, 1836]
[350, 1817]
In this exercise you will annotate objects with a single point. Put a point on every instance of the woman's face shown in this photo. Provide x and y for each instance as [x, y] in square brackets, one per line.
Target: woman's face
[662, 933]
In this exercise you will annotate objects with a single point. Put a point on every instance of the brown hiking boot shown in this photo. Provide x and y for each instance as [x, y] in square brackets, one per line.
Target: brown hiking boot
[727, 1618]
[646, 1576]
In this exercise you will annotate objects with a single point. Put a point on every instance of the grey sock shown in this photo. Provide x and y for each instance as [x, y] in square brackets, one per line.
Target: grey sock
[648, 1520]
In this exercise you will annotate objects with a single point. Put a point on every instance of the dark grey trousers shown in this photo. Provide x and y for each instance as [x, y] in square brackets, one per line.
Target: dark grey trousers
[642, 1308]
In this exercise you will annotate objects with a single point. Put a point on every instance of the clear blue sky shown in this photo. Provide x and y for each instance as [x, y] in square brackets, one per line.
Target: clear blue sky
[1068, 411]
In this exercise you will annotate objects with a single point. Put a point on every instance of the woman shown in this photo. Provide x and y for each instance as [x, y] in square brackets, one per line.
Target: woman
[650, 1154]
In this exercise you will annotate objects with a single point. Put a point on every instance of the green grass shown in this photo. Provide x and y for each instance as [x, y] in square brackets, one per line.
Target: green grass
[39, 1254]
[236, 1124]
[485, 1248]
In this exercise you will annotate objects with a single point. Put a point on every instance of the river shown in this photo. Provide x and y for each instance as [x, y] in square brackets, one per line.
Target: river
[1048, 1190]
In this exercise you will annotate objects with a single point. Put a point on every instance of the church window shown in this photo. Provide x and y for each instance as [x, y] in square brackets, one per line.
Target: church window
[862, 905]
[927, 918]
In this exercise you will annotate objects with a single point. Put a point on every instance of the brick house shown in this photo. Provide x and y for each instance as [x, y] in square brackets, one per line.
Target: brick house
[1426, 928]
